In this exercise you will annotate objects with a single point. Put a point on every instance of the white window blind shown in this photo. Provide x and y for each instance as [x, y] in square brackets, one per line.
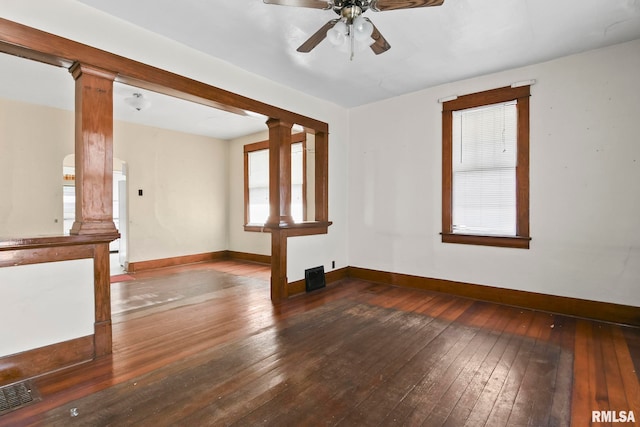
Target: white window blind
[259, 184]
[297, 181]
[484, 170]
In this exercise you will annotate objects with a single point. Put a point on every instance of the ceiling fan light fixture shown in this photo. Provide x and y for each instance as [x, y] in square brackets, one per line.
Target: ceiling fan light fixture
[350, 13]
[338, 34]
[362, 28]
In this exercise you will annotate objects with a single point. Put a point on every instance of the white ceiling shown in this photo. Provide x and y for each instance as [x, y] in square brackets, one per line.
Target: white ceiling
[429, 46]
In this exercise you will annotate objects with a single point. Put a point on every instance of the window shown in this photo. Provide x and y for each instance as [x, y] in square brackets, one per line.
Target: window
[256, 183]
[485, 168]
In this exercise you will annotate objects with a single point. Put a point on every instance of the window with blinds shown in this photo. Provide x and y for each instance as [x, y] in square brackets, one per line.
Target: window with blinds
[484, 156]
[485, 168]
[258, 184]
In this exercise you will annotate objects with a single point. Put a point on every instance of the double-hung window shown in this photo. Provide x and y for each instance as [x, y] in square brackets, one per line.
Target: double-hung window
[256, 182]
[485, 192]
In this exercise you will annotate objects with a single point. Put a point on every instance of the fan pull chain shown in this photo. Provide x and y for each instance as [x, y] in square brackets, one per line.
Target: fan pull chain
[352, 40]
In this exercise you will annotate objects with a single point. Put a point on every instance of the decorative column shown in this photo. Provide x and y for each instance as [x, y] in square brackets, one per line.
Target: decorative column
[279, 203]
[322, 177]
[279, 173]
[93, 150]
[94, 185]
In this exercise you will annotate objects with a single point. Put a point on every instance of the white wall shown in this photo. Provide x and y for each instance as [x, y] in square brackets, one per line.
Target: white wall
[585, 170]
[44, 304]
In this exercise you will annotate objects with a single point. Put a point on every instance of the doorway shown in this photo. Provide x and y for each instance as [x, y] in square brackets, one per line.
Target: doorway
[118, 247]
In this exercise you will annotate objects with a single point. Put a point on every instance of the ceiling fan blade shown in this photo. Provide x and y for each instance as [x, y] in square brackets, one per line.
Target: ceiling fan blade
[315, 39]
[382, 5]
[380, 45]
[314, 4]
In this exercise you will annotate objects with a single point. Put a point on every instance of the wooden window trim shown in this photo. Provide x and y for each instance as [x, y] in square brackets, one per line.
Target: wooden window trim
[300, 137]
[521, 95]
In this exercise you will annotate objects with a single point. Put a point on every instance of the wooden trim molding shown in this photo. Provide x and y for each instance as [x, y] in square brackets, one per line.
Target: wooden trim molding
[296, 138]
[31, 363]
[521, 95]
[40, 250]
[500, 241]
[244, 256]
[135, 267]
[21, 40]
[596, 310]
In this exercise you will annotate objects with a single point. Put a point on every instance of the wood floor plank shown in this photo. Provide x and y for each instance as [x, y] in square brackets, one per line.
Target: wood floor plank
[378, 399]
[204, 345]
[481, 409]
[481, 384]
[560, 413]
[616, 395]
[583, 390]
[535, 395]
[442, 391]
[631, 383]
[503, 405]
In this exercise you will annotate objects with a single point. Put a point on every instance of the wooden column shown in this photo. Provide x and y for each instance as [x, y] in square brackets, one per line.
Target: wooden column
[102, 337]
[279, 173]
[279, 281]
[322, 177]
[279, 203]
[93, 150]
[94, 185]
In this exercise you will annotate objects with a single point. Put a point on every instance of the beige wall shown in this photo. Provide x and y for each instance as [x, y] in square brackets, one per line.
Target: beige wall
[183, 209]
[184, 179]
[33, 142]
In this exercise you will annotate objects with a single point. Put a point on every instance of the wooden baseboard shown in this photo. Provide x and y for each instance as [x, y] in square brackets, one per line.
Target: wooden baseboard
[135, 267]
[31, 363]
[596, 310]
[244, 256]
[299, 287]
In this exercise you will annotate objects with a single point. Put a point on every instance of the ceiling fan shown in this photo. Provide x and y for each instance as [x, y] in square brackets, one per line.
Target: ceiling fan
[351, 29]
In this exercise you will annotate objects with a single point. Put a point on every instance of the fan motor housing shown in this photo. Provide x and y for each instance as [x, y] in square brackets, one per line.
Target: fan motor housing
[350, 8]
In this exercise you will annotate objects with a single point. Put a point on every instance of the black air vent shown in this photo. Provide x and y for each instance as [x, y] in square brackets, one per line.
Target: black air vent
[314, 278]
[17, 395]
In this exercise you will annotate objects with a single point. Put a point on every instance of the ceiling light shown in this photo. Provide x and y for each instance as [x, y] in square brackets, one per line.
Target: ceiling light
[351, 34]
[137, 101]
[351, 31]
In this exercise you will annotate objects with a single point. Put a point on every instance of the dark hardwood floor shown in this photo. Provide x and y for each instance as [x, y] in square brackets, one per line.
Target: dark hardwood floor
[203, 345]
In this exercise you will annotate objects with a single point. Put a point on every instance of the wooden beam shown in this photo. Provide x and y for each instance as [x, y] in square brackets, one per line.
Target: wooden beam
[21, 40]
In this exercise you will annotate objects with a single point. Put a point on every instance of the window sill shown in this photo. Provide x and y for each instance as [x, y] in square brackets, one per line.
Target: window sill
[517, 242]
[297, 229]
[258, 228]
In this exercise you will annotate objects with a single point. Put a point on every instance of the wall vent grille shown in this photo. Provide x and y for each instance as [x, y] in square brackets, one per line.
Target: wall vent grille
[314, 278]
[17, 395]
